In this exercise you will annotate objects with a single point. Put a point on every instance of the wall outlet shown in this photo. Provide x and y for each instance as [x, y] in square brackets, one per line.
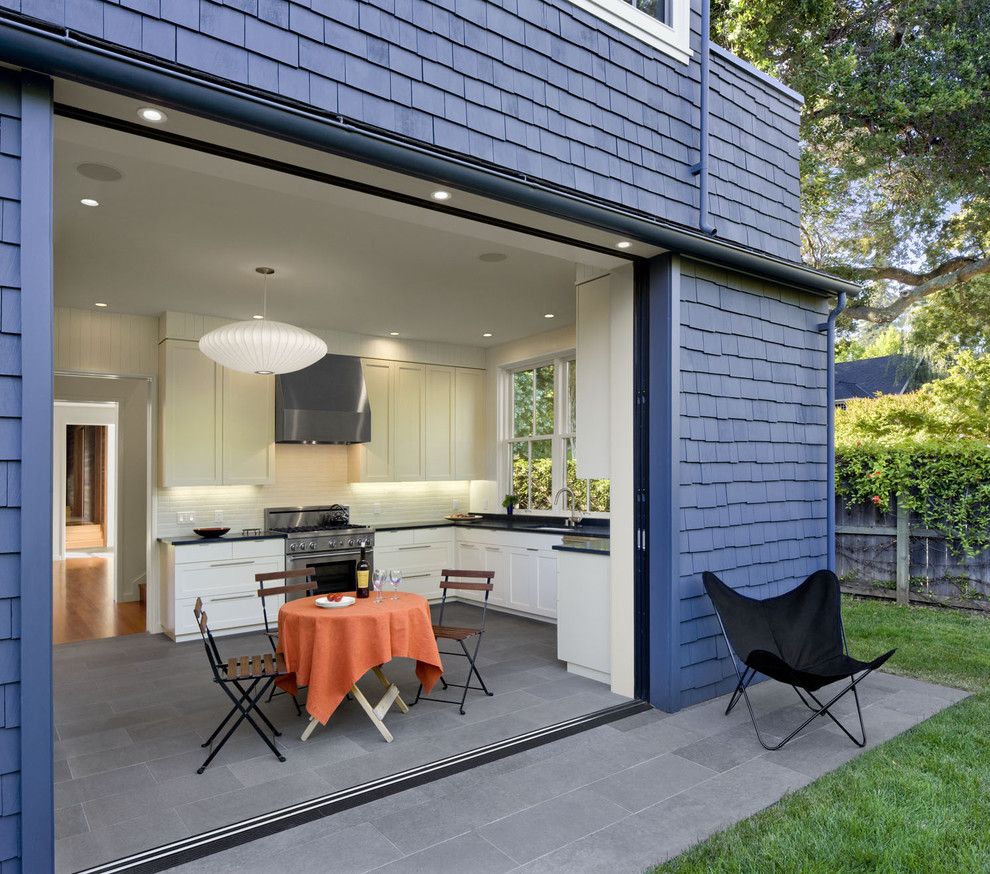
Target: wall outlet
[185, 518]
[455, 504]
[218, 515]
[376, 508]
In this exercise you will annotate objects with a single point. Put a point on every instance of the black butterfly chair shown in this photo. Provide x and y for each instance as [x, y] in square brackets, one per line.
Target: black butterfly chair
[795, 638]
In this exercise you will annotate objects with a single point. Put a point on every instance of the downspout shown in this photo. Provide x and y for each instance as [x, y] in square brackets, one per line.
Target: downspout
[829, 327]
[701, 168]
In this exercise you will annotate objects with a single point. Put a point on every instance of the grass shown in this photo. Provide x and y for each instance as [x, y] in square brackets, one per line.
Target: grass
[920, 802]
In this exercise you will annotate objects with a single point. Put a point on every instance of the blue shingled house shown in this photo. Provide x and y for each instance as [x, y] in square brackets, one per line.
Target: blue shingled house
[642, 184]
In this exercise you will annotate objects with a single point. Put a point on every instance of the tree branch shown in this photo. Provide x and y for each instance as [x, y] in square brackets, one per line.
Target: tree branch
[954, 272]
[909, 277]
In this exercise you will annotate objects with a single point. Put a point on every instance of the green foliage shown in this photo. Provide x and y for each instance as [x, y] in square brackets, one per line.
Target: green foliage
[930, 448]
[954, 319]
[895, 124]
[510, 501]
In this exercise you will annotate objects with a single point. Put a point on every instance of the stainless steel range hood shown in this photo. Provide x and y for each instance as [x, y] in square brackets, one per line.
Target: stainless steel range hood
[324, 403]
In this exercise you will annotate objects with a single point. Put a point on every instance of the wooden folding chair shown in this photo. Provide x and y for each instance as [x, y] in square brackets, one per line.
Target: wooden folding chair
[470, 581]
[240, 678]
[305, 588]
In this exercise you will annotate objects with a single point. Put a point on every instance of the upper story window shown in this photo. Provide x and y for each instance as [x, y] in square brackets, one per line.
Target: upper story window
[663, 24]
[538, 446]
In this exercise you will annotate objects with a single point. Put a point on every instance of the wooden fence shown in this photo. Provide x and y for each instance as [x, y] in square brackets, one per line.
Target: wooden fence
[889, 551]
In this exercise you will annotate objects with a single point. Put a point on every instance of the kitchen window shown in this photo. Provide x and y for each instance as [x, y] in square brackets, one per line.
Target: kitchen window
[539, 446]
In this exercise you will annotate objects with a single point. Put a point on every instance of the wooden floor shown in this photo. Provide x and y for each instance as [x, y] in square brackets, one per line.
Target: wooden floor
[83, 607]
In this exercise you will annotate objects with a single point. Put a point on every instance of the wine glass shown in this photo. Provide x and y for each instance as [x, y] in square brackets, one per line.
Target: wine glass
[376, 582]
[395, 578]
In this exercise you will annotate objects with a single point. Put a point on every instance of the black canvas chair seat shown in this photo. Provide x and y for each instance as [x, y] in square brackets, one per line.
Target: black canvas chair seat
[795, 638]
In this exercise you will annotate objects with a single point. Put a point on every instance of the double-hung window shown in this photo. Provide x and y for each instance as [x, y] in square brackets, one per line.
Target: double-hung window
[539, 445]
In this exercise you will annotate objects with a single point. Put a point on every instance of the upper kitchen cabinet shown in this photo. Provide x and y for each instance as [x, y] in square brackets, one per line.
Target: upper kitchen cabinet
[217, 425]
[427, 423]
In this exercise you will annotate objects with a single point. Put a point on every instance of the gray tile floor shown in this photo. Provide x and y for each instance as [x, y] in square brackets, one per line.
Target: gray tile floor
[131, 713]
[615, 799]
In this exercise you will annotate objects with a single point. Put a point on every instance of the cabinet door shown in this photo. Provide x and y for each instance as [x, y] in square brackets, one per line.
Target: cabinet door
[190, 416]
[546, 584]
[408, 394]
[439, 416]
[469, 424]
[522, 579]
[497, 559]
[248, 427]
[372, 462]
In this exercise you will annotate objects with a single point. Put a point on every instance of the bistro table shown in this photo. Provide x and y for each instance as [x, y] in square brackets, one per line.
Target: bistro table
[329, 650]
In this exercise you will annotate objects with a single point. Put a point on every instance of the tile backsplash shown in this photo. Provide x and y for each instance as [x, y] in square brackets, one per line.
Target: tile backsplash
[309, 475]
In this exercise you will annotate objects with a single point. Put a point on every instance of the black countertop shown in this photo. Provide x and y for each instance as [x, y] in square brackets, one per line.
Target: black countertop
[529, 525]
[188, 539]
[605, 549]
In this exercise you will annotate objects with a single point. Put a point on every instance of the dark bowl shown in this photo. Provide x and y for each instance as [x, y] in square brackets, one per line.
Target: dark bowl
[210, 532]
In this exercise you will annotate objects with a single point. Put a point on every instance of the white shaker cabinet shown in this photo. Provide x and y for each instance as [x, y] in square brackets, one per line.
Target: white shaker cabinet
[469, 424]
[439, 423]
[408, 421]
[217, 425]
[372, 462]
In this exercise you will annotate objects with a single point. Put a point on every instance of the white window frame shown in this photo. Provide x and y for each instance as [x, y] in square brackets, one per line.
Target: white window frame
[559, 438]
[673, 38]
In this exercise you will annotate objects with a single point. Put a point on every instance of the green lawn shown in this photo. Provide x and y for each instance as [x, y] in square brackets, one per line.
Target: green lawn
[919, 803]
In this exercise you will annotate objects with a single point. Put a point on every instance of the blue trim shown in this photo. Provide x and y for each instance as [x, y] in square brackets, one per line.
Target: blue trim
[37, 365]
[701, 168]
[663, 530]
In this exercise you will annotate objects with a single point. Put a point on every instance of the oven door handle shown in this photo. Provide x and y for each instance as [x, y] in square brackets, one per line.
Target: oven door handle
[309, 558]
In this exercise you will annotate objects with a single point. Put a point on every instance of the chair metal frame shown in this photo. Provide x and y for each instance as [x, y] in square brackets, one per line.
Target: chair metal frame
[749, 674]
[460, 583]
[246, 701]
[307, 589]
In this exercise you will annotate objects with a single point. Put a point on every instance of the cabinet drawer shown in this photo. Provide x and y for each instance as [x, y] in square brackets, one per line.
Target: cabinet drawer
[223, 577]
[240, 610]
[203, 552]
[257, 548]
[434, 535]
[416, 556]
[388, 539]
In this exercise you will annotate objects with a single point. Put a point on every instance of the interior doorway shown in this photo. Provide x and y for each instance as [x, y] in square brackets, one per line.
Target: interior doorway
[87, 599]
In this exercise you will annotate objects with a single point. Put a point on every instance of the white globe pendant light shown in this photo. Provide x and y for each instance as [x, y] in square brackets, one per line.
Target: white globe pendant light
[260, 346]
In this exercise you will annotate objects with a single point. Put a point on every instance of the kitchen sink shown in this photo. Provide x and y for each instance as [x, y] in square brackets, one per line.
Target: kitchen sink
[563, 529]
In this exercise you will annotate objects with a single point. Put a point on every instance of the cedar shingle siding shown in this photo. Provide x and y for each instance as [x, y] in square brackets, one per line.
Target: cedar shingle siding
[544, 89]
[10, 474]
[753, 445]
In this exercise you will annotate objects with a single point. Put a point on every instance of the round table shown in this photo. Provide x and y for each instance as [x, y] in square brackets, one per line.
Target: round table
[329, 650]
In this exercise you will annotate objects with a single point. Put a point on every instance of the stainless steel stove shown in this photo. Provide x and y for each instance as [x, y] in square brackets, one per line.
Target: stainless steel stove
[322, 537]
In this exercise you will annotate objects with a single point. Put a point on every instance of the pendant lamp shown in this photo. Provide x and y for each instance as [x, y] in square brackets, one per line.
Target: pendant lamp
[260, 346]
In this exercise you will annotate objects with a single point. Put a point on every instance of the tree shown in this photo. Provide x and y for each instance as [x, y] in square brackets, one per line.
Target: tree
[896, 126]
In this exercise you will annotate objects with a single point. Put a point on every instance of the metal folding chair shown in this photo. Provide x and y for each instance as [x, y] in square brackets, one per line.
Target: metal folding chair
[454, 581]
[306, 588]
[240, 679]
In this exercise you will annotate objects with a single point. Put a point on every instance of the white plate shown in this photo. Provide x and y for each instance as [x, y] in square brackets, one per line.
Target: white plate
[346, 601]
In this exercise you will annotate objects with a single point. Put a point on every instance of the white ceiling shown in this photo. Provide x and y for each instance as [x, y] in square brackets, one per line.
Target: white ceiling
[184, 230]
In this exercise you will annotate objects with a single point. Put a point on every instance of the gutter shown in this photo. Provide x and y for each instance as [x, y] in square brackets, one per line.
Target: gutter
[59, 52]
[829, 327]
[701, 168]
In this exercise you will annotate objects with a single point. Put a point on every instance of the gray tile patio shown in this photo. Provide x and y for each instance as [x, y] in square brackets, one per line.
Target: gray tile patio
[131, 714]
[615, 799]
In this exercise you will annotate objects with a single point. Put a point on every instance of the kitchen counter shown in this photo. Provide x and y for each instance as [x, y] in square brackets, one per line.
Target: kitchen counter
[602, 547]
[190, 539]
[598, 529]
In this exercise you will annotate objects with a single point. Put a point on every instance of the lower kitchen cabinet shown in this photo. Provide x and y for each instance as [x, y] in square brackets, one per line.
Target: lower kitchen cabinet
[421, 555]
[222, 574]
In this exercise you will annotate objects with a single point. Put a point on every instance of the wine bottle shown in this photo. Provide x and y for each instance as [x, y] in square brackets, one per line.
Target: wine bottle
[362, 573]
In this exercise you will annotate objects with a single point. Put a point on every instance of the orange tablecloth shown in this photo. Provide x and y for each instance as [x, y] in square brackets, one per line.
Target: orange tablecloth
[330, 650]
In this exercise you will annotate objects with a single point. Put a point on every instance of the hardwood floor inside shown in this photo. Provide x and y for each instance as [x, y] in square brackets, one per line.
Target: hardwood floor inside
[83, 607]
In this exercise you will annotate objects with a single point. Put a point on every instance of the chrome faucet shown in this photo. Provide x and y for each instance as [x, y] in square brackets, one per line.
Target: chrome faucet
[571, 520]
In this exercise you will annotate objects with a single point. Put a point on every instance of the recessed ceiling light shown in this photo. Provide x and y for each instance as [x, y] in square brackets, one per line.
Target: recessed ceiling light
[393, 333]
[493, 257]
[257, 316]
[100, 304]
[149, 113]
[89, 201]
[623, 244]
[99, 172]
[487, 334]
[441, 195]
[548, 315]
